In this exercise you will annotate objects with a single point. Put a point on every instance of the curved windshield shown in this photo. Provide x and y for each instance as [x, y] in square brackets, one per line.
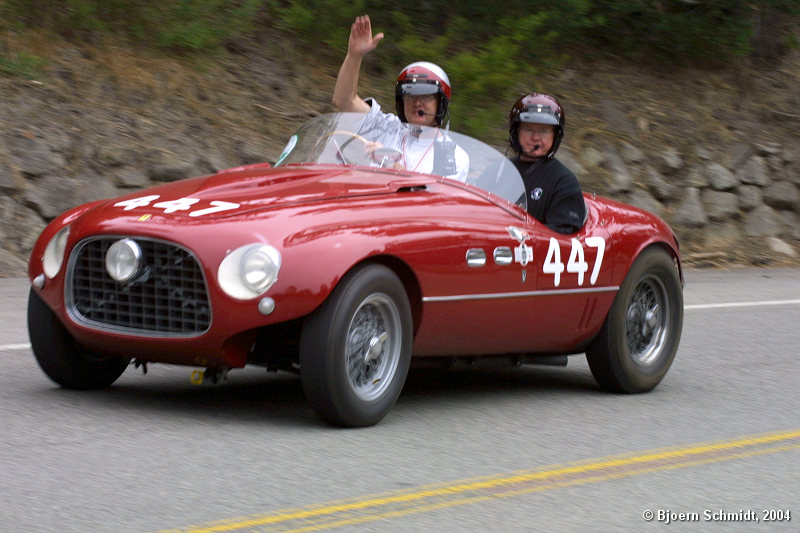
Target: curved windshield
[373, 140]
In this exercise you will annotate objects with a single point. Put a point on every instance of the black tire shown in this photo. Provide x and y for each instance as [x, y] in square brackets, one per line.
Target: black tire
[355, 348]
[61, 358]
[640, 336]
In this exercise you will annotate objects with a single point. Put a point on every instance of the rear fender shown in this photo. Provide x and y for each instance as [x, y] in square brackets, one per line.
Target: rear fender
[637, 233]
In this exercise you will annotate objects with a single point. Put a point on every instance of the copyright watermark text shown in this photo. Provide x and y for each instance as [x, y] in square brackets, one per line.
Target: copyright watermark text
[667, 516]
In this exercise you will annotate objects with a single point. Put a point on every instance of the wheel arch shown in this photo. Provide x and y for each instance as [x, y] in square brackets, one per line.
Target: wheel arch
[407, 277]
[673, 252]
[670, 248]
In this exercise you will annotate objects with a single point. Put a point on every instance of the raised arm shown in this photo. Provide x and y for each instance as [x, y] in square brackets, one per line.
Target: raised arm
[345, 94]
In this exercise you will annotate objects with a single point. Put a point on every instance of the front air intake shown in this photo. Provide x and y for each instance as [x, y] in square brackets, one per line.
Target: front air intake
[168, 297]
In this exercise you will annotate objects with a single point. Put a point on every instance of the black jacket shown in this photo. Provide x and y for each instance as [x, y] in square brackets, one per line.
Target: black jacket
[554, 194]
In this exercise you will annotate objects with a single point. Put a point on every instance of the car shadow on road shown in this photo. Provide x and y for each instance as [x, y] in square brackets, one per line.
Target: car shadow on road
[244, 397]
[477, 382]
[251, 397]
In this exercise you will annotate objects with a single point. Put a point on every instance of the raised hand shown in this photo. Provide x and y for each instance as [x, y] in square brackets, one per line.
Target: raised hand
[361, 40]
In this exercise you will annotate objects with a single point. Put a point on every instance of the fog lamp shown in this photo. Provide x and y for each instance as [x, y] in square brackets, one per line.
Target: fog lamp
[123, 260]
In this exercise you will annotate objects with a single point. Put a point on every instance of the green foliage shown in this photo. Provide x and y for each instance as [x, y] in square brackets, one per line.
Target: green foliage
[181, 25]
[197, 24]
[316, 22]
[492, 51]
[677, 31]
[22, 64]
[661, 31]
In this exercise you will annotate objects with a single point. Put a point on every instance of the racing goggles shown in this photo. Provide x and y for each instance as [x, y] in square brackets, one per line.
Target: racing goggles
[414, 87]
[540, 114]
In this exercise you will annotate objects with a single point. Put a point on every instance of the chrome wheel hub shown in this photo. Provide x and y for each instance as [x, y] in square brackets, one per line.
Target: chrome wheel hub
[375, 347]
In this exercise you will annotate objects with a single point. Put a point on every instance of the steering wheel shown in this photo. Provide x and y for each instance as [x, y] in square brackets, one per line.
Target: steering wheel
[340, 147]
[386, 157]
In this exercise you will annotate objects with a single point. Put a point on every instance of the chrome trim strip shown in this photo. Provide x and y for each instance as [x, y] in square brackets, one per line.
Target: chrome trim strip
[496, 296]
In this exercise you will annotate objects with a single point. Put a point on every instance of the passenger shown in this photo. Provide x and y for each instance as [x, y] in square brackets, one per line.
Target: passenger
[535, 129]
[422, 95]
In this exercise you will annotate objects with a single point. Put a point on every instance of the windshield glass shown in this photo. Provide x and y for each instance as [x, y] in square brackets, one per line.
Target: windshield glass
[372, 140]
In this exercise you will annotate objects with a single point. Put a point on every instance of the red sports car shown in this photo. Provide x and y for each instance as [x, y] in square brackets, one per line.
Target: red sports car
[341, 265]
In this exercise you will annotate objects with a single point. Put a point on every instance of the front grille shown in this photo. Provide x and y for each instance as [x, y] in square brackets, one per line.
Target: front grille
[167, 298]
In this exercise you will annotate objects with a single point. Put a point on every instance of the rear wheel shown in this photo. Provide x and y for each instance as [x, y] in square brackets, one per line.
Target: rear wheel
[61, 358]
[640, 336]
[356, 348]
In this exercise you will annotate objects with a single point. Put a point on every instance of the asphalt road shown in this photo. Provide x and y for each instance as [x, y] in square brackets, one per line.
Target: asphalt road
[714, 447]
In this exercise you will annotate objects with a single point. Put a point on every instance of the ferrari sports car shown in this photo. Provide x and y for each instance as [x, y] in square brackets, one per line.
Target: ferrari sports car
[340, 264]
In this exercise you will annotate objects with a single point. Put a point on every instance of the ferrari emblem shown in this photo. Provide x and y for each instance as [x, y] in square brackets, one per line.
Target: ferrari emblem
[523, 254]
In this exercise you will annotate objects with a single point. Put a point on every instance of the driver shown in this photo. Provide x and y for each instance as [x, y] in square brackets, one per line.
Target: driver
[535, 129]
[422, 95]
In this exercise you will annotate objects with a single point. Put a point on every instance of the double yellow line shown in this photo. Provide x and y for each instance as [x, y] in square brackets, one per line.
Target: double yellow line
[463, 492]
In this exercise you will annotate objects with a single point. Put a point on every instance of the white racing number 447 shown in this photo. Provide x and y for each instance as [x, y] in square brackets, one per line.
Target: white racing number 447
[181, 204]
[576, 263]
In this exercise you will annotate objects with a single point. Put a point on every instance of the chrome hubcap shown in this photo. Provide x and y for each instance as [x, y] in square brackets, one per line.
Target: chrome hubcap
[375, 347]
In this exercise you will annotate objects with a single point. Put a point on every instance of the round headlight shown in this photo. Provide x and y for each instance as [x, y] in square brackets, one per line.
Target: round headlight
[123, 260]
[259, 268]
[54, 253]
[249, 271]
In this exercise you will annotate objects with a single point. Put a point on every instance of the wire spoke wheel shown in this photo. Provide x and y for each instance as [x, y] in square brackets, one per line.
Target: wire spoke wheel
[373, 346]
[639, 339]
[355, 349]
[647, 321]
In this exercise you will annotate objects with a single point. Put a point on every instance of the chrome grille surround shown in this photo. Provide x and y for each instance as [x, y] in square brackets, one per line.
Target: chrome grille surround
[168, 299]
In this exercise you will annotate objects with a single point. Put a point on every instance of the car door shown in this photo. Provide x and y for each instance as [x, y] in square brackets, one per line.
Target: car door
[476, 281]
[573, 280]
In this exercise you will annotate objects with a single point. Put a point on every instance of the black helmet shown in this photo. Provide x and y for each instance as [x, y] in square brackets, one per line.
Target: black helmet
[538, 108]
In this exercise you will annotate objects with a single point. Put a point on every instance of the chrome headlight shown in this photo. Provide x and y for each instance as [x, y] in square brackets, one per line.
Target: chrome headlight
[54, 253]
[123, 260]
[249, 271]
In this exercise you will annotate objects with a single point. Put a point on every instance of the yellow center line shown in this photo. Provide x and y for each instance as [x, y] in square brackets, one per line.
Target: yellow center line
[463, 492]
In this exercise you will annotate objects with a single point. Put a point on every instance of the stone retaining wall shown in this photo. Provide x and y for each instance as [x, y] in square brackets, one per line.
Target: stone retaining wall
[715, 203]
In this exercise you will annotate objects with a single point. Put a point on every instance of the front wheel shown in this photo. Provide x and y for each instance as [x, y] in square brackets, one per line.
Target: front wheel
[640, 336]
[356, 348]
[61, 358]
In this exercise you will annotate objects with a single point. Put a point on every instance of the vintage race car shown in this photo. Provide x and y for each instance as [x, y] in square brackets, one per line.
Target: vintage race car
[339, 264]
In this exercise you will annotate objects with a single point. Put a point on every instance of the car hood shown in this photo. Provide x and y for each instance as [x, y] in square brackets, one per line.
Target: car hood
[257, 187]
